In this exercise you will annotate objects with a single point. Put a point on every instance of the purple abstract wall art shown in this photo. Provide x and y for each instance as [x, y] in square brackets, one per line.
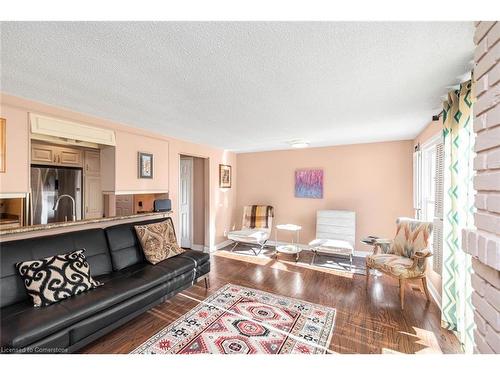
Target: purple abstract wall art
[309, 183]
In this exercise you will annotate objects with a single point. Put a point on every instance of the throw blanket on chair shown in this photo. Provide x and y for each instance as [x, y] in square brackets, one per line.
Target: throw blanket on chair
[257, 216]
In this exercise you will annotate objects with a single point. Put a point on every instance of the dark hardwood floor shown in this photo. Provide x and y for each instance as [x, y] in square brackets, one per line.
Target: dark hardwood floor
[369, 320]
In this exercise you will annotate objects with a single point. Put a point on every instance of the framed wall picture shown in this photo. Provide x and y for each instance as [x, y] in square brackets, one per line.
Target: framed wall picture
[3, 144]
[145, 165]
[309, 183]
[224, 176]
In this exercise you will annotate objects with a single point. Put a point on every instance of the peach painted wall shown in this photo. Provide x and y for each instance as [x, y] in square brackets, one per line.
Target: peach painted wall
[374, 180]
[128, 144]
[167, 152]
[434, 127]
[16, 176]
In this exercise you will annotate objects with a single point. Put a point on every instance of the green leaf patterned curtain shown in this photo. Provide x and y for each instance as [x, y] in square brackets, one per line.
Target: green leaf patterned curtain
[458, 210]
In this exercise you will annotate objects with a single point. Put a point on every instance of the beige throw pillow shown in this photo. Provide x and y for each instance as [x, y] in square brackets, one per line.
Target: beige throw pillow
[158, 241]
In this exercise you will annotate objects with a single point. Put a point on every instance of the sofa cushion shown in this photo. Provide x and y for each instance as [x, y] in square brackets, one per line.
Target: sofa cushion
[23, 324]
[55, 278]
[106, 317]
[11, 285]
[197, 257]
[158, 241]
[124, 245]
[176, 265]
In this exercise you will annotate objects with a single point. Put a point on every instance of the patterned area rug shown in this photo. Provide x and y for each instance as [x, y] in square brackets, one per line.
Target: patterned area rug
[238, 320]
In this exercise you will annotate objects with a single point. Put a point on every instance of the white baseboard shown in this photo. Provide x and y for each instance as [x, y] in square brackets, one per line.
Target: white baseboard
[220, 245]
[434, 294]
[198, 247]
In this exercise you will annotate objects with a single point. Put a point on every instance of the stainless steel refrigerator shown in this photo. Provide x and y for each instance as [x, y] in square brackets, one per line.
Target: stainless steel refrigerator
[49, 183]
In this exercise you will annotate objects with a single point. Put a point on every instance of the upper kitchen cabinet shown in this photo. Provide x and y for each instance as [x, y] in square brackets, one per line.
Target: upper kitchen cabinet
[69, 157]
[42, 154]
[55, 155]
[92, 163]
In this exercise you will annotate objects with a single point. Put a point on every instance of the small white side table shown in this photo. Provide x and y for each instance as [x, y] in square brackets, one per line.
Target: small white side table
[293, 247]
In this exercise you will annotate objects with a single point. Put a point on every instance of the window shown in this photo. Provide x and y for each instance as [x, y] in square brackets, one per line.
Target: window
[430, 171]
[428, 182]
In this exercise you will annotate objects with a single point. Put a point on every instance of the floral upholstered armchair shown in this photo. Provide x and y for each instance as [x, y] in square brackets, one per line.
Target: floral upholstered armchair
[404, 257]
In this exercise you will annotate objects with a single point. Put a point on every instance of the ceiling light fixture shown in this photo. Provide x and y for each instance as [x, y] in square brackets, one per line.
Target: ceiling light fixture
[299, 143]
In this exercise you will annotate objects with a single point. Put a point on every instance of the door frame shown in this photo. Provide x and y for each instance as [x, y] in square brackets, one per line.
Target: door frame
[191, 208]
[208, 198]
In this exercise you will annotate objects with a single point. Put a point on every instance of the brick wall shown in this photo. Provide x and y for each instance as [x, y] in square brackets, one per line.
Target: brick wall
[484, 243]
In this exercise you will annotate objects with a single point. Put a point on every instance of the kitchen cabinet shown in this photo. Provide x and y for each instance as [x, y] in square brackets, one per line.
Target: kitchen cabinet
[124, 205]
[42, 154]
[69, 157]
[93, 197]
[93, 188]
[92, 163]
[55, 155]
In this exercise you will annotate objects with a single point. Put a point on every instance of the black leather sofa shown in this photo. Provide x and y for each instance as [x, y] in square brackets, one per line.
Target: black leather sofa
[131, 287]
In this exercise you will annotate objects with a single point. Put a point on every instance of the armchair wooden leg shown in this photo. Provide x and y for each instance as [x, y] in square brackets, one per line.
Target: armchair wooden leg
[367, 275]
[207, 283]
[402, 293]
[426, 291]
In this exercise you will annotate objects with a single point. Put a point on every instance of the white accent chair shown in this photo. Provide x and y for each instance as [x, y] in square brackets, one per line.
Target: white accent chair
[254, 230]
[335, 234]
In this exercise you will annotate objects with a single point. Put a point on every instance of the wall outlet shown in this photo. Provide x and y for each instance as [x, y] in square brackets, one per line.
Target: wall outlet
[225, 233]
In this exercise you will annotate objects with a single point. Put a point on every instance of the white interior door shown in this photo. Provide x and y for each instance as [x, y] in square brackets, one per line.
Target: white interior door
[186, 201]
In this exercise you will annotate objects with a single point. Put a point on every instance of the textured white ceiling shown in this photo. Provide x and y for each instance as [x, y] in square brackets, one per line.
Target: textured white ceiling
[242, 85]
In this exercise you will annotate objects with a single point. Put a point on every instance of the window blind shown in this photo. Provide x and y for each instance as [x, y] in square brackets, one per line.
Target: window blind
[437, 263]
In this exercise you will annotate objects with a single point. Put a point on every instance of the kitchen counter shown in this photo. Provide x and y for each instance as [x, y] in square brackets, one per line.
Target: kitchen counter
[65, 224]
